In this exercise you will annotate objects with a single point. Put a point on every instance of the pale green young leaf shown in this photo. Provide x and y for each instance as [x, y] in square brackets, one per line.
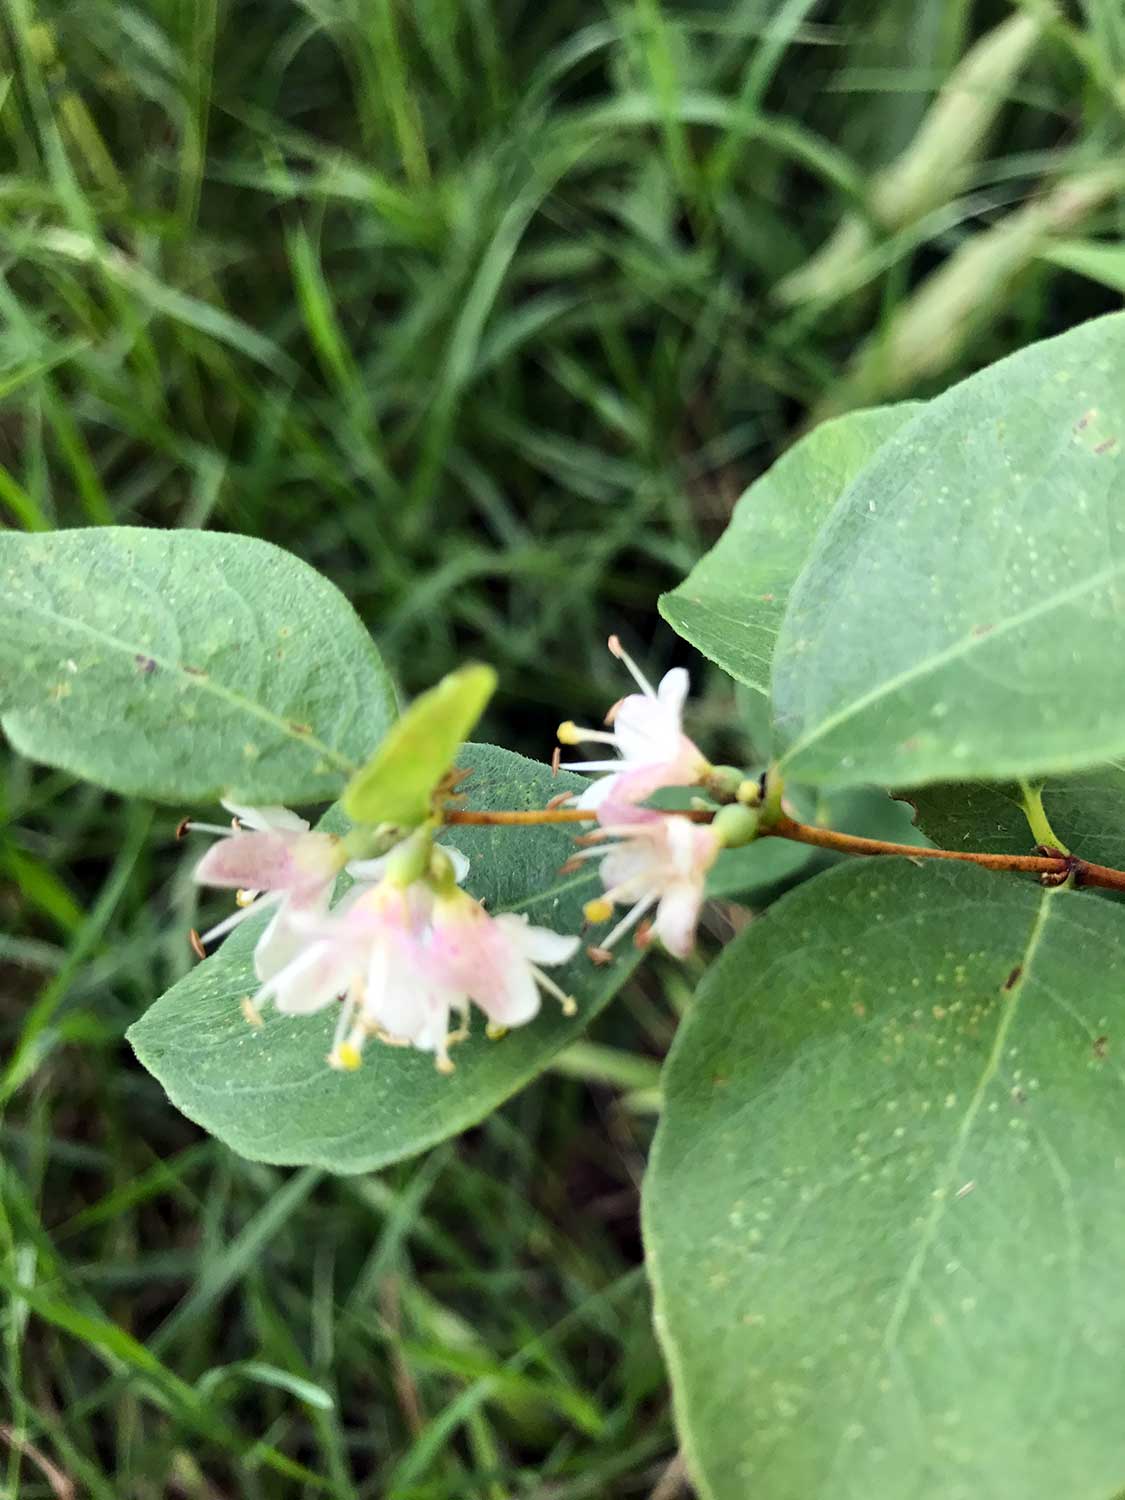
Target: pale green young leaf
[962, 611]
[269, 1093]
[885, 1208]
[185, 665]
[731, 603]
[397, 784]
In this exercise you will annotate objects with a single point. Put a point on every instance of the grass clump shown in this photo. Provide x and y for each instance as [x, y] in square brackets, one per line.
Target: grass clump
[490, 311]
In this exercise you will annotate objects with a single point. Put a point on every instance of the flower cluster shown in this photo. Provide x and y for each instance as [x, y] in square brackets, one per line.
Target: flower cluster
[405, 952]
[654, 860]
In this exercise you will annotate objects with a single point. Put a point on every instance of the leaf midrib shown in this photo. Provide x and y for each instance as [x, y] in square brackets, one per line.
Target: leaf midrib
[950, 1172]
[204, 684]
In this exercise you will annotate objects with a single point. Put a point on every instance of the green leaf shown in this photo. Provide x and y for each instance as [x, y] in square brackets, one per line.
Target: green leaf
[269, 1094]
[1086, 810]
[962, 610]
[398, 782]
[185, 665]
[884, 1214]
[731, 603]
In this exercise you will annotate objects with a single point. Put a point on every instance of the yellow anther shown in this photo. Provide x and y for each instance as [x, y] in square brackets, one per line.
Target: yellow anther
[245, 898]
[445, 1065]
[568, 733]
[598, 910]
[345, 1057]
[570, 1006]
[494, 1031]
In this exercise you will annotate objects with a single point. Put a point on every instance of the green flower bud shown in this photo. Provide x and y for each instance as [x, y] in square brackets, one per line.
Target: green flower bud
[735, 825]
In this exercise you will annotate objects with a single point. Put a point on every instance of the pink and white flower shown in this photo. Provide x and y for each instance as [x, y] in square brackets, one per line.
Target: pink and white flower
[496, 961]
[272, 858]
[371, 954]
[661, 861]
[405, 959]
[646, 730]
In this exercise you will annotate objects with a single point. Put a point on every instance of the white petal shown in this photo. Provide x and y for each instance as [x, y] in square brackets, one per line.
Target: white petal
[515, 999]
[388, 1001]
[459, 861]
[677, 915]
[538, 944]
[278, 945]
[312, 980]
[402, 1001]
[673, 691]
[296, 920]
[597, 792]
[368, 870]
[647, 729]
[682, 843]
[266, 818]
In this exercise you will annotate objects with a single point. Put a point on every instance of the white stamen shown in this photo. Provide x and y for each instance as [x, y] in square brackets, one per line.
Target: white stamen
[228, 924]
[596, 765]
[546, 982]
[222, 831]
[630, 919]
[592, 736]
[639, 677]
[343, 1023]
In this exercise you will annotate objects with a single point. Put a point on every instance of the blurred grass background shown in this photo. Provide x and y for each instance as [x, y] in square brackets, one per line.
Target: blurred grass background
[489, 310]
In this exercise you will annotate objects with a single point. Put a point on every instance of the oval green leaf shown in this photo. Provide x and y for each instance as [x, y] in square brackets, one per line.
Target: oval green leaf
[185, 665]
[885, 1212]
[963, 610]
[398, 782]
[269, 1094]
[731, 603]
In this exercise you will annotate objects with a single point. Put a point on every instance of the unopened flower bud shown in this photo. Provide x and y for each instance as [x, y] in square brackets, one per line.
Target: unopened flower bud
[735, 825]
[723, 782]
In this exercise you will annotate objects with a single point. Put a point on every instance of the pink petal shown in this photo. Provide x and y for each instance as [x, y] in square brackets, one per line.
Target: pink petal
[249, 862]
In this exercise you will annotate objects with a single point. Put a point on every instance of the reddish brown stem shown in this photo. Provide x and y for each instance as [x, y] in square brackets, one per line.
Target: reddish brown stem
[505, 818]
[1059, 868]
[1030, 864]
